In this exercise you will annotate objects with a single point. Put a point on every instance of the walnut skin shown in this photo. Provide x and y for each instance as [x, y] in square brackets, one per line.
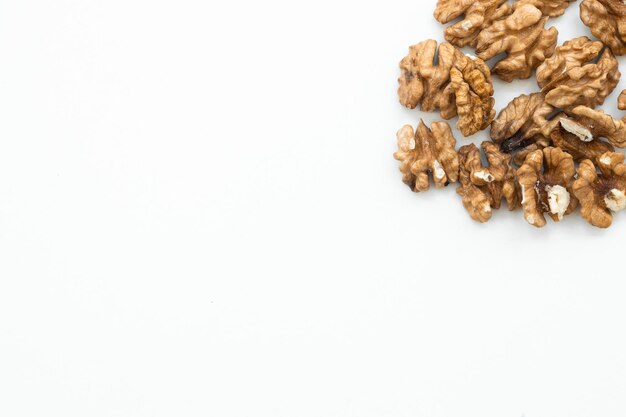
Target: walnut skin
[578, 141]
[482, 188]
[524, 121]
[425, 151]
[604, 194]
[522, 37]
[602, 125]
[607, 21]
[621, 101]
[552, 8]
[572, 54]
[567, 82]
[478, 15]
[458, 85]
[546, 179]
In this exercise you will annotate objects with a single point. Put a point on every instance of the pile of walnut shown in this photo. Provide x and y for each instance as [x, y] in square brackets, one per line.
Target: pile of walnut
[550, 151]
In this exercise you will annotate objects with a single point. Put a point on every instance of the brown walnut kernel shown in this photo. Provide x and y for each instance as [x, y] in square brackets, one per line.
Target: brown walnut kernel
[526, 120]
[552, 8]
[522, 37]
[568, 79]
[478, 15]
[602, 125]
[458, 85]
[425, 150]
[601, 195]
[578, 140]
[546, 179]
[482, 188]
[607, 21]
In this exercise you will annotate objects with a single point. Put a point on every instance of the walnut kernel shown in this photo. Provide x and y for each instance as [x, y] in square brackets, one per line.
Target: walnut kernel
[601, 195]
[425, 150]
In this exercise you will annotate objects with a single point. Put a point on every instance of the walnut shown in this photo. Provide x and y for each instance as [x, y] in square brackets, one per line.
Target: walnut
[482, 188]
[457, 85]
[602, 125]
[425, 150]
[522, 37]
[569, 80]
[552, 8]
[578, 140]
[520, 156]
[478, 15]
[527, 119]
[607, 21]
[546, 179]
[604, 194]
[621, 101]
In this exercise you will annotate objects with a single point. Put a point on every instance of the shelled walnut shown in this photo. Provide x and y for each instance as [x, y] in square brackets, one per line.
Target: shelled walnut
[552, 8]
[478, 14]
[458, 85]
[522, 37]
[526, 120]
[546, 179]
[607, 21]
[569, 78]
[482, 188]
[578, 140]
[425, 150]
[601, 195]
[602, 125]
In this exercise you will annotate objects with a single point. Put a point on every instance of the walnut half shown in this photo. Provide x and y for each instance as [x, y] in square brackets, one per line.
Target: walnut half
[425, 150]
[601, 195]
[522, 37]
[546, 179]
[526, 120]
[457, 85]
[570, 77]
[578, 140]
[478, 14]
[607, 21]
[482, 188]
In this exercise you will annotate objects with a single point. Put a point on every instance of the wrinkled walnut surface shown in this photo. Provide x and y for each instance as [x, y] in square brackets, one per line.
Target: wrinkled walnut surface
[525, 120]
[546, 180]
[602, 125]
[478, 15]
[578, 141]
[482, 188]
[552, 8]
[601, 195]
[568, 79]
[457, 85]
[524, 40]
[427, 151]
[607, 21]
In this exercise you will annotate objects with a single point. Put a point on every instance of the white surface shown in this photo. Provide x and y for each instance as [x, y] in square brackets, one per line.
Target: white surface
[200, 215]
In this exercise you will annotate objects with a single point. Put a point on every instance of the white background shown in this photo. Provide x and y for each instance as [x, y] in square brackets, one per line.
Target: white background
[200, 215]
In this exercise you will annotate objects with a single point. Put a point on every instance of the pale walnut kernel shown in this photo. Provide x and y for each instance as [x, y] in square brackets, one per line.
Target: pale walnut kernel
[524, 40]
[527, 119]
[483, 188]
[569, 78]
[578, 140]
[607, 21]
[457, 85]
[478, 14]
[601, 195]
[546, 180]
[427, 151]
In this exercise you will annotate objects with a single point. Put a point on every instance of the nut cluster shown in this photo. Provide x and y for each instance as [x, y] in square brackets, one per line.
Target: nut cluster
[550, 151]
